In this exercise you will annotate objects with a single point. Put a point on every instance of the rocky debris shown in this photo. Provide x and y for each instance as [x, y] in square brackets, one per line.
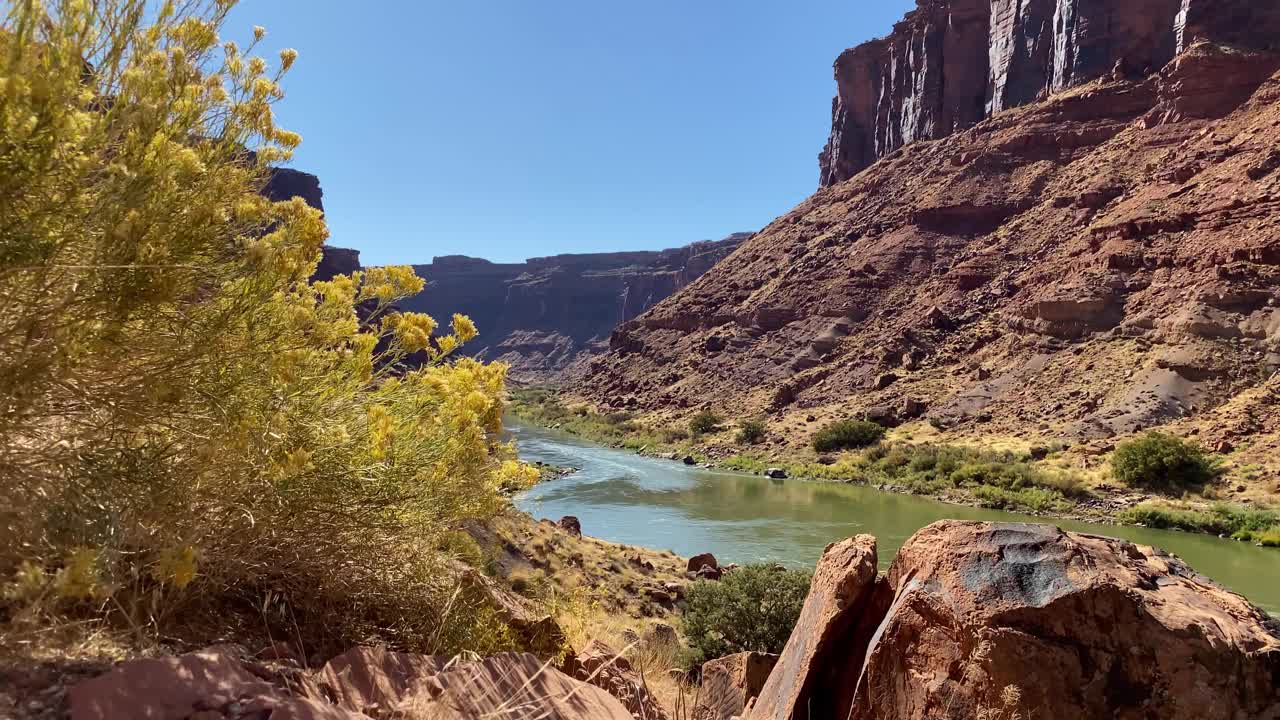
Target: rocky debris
[660, 634]
[570, 524]
[661, 597]
[982, 618]
[221, 683]
[705, 560]
[708, 573]
[536, 631]
[601, 666]
[530, 314]
[730, 684]
[776, 473]
[638, 562]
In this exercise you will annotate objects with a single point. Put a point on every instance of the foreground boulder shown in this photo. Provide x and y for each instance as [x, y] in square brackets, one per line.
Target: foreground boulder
[372, 680]
[211, 684]
[730, 683]
[510, 686]
[998, 618]
[816, 671]
[221, 683]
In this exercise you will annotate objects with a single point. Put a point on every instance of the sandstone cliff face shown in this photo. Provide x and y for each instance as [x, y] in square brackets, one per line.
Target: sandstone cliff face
[952, 63]
[286, 184]
[544, 314]
[1099, 262]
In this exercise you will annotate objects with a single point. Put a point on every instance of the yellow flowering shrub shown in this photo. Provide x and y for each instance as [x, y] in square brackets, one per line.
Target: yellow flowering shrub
[183, 412]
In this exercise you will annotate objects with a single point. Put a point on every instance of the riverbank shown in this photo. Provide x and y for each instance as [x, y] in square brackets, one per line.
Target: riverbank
[1049, 481]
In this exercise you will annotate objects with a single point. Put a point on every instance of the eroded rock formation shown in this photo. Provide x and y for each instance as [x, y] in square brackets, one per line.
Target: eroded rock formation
[952, 63]
[286, 184]
[543, 314]
[1011, 620]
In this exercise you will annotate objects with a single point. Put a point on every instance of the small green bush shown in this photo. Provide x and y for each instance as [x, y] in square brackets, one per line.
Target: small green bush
[847, 435]
[704, 422]
[1162, 461]
[670, 436]
[1031, 499]
[750, 432]
[752, 608]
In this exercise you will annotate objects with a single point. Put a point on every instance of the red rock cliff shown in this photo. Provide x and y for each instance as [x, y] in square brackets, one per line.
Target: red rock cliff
[952, 63]
[543, 314]
[1099, 262]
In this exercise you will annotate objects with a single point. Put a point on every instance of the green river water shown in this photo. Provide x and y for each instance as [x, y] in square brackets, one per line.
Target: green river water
[636, 500]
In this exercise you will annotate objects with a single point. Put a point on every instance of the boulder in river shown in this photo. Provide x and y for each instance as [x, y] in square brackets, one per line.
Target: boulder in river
[776, 473]
[989, 619]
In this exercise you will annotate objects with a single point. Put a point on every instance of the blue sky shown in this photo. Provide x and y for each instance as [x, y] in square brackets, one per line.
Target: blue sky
[509, 129]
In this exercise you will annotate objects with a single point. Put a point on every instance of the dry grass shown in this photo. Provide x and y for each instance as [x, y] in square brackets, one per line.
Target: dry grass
[657, 663]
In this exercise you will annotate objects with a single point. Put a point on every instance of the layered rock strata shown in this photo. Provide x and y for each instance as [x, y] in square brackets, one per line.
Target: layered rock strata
[952, 63]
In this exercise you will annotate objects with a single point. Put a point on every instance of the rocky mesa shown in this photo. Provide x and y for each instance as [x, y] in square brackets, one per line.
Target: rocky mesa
[1099, 253]
[542, 315]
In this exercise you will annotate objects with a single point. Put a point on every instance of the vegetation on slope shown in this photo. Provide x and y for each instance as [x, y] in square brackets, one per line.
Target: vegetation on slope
[188, 421]
[956, 473]
[750, 609]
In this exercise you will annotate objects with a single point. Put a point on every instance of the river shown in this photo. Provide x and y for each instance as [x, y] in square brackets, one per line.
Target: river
[627, 498]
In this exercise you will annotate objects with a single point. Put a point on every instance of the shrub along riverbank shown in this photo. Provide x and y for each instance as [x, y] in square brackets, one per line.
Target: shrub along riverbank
[960, 474]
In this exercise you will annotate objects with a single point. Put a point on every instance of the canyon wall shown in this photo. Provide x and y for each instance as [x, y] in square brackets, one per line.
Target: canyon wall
[952, 63]
[1100, 262]
[286, 184]
[544, 314]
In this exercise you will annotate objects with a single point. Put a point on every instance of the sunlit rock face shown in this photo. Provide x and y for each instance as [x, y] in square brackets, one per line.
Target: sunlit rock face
[952, 63]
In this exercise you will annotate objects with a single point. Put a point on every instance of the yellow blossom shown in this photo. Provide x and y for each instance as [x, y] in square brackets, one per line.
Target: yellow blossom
[463, 328]
[176, 566]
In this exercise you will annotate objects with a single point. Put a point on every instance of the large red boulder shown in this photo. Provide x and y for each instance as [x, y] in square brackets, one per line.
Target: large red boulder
[1015, 620]
[705, 560]
[844, 603]
[218, 682]
[1062, 626]
[221, 683]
